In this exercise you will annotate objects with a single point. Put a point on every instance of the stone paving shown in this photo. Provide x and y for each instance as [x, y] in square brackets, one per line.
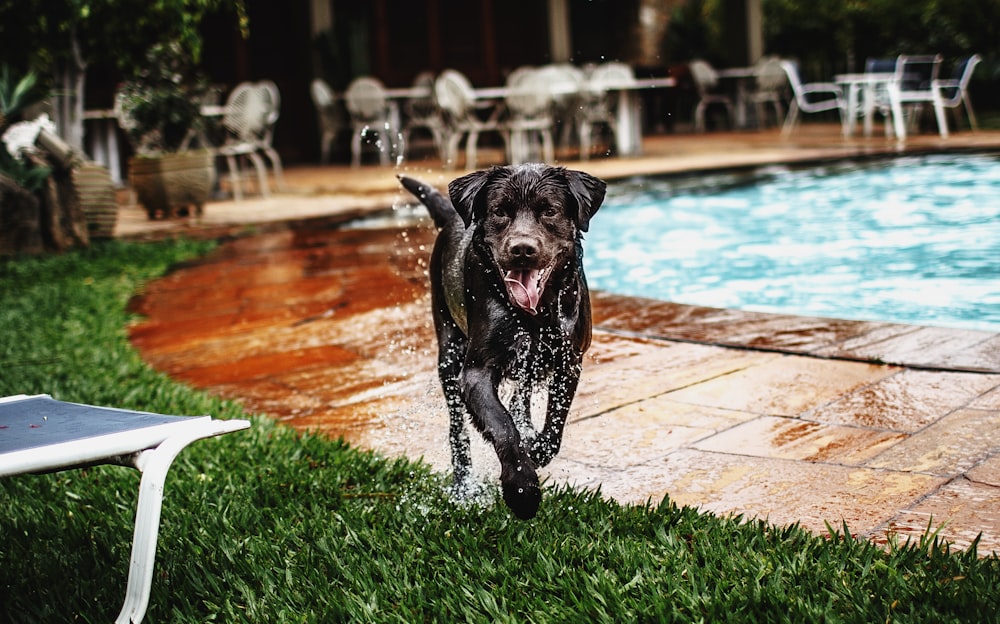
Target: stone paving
[889, 428]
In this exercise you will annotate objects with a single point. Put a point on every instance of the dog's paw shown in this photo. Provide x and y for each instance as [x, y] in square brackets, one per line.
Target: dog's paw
[521, 491]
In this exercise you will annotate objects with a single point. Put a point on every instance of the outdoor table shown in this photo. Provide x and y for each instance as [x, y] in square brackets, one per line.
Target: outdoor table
[628, 115]
[866, 85]
[40, 434]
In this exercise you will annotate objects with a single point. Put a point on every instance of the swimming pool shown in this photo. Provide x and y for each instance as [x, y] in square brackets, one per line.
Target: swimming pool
[910, 240]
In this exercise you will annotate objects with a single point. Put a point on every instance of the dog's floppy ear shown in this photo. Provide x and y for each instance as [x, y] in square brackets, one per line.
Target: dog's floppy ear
[468, 193]
[588, 192]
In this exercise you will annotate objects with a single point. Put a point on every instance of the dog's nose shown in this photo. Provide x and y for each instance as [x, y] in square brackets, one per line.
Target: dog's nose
[523, 249]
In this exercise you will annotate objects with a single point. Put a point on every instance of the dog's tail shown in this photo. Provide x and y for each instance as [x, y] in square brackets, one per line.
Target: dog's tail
[438, 204]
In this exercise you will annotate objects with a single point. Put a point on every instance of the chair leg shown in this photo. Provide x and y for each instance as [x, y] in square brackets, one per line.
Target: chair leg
[585, 131]
[942, 120]
[699, 117]
[452, 151]
[261, 168]
[326, 147]
[279, 172]
[968, 109]
[791, 118]
[471, 143]
[356, 149]
[548, 147]
[234, 177]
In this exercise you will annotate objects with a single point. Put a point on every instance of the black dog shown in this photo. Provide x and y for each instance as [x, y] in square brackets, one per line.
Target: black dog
[510, 304]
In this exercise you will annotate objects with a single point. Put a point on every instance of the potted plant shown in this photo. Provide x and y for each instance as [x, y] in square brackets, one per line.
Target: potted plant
[159, 110]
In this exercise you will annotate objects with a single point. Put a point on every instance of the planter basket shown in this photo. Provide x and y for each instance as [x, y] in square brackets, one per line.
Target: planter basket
[97, 199]
[169, 184]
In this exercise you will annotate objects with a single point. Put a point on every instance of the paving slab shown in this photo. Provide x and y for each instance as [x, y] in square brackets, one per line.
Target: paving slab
[889, 428]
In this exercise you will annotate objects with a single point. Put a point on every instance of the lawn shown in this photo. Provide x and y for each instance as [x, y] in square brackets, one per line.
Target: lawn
[274, 525]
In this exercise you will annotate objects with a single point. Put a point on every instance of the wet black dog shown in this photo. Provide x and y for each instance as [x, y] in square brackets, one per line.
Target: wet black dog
[510, 305]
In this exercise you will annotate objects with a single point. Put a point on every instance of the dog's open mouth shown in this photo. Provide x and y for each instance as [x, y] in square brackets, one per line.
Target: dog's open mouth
[525, 287]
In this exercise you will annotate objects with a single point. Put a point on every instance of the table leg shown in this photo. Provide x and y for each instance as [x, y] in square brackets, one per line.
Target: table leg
[868, 112]
[628, 139]
[852, 109]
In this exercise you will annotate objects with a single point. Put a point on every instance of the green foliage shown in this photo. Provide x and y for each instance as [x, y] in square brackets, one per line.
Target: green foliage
[40, 33]
[838, 35]
[273, 525]
[17, 95]
[160, 101]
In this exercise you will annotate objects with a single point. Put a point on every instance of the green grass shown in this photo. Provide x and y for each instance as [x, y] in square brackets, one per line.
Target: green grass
[272, 525]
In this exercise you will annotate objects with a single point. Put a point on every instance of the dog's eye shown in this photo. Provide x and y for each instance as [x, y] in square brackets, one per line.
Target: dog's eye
[501, 212]
[550, 211]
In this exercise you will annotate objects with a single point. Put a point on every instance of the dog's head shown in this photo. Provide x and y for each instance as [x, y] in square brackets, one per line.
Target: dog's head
[531, 217]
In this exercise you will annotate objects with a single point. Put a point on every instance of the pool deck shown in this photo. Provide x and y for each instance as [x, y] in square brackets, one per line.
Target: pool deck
[889, 428]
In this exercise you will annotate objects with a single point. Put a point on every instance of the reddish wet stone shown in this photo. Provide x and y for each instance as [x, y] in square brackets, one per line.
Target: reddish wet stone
[330, 330]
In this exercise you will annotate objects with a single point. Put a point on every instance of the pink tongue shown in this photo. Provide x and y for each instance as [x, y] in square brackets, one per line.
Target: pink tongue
[523, 288]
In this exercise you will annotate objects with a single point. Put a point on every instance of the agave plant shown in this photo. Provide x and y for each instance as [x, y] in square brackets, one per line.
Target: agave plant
[16, 96]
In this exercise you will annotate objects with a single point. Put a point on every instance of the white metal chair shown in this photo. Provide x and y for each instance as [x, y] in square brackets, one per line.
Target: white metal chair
[599, 102]
[327, 116]
[706, 81]
[247, 116]
[529, 109]
[422, 112]
[954, 93]
[265, 140]
[457, 100]
[371, 117]
[770, 84]
[812, 97]
[565, 82]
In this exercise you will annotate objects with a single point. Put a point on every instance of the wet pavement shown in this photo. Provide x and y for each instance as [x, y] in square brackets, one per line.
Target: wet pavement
[889, 428]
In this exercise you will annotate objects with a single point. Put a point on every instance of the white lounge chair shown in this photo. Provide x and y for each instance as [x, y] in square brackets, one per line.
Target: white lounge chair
[954, 93]
[41, 434]
[812, 97]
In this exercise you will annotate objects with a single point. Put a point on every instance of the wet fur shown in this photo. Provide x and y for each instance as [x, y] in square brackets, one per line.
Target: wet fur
[525, 218]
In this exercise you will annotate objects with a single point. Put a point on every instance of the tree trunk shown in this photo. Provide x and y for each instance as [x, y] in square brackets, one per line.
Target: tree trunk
[68, 112]
[62, 220]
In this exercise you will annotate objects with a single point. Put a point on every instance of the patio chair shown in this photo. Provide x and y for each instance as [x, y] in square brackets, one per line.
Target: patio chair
[770, 84]
[42, 435]
[915, 76]
[529, 109]
[371, 117]
[272, 96]
[954, 93]
[599, 102]
[565, 82]
[706, 81]
[812, 97]
[457, 100]
[328, 118]
[422, 112]
[246, 118]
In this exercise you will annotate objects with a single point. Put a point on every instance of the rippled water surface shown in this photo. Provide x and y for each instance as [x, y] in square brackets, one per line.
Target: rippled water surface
[913, 240]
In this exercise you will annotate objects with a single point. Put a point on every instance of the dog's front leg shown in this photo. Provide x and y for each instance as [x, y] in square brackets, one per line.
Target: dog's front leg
[451, 347]
[518, 478]
[562, 389]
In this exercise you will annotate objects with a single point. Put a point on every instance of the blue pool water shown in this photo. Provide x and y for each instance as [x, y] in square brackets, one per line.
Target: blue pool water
[912, 240]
